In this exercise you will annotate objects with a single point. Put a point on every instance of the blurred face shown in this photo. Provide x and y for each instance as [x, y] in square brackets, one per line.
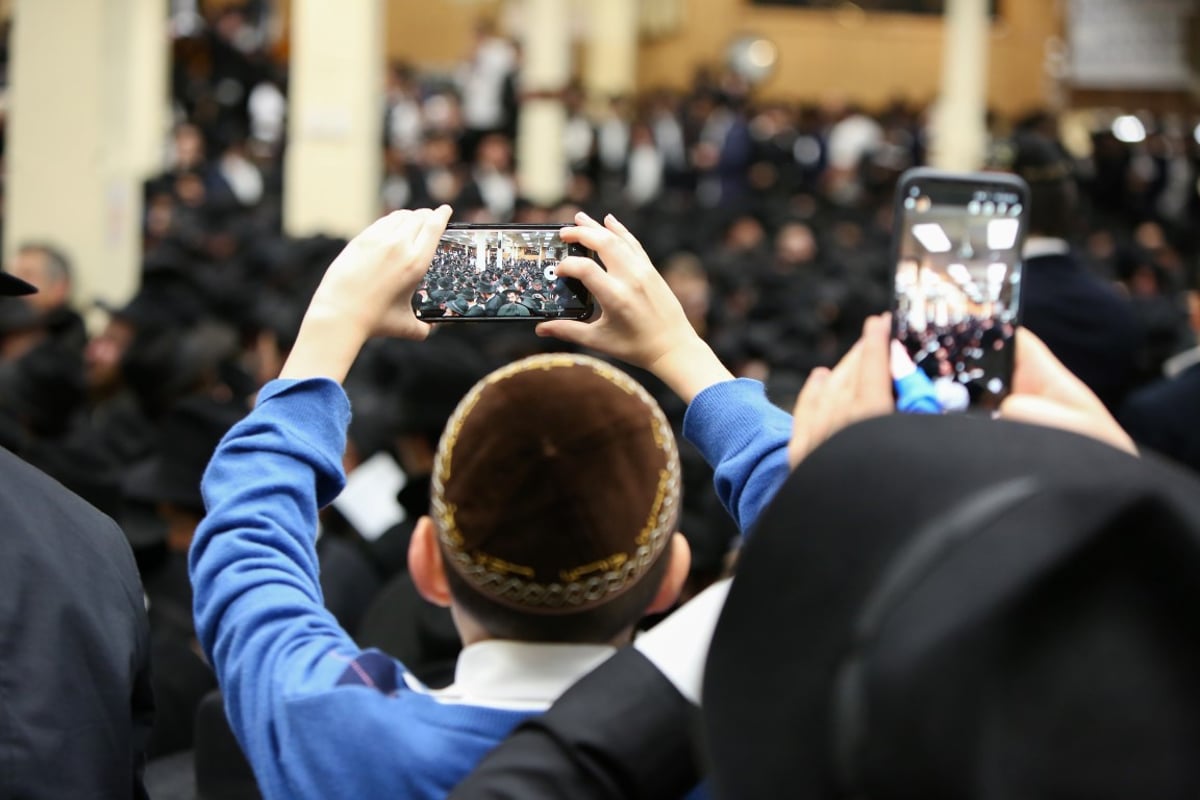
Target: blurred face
[439, 152]
[1150, 236]
[494, 152]
[14, 346]
[641, 136]
[102, 358]
[268, 357]
[745, 234]
[159, 215]
[690, 287]
[189, 147]
[190, 190]
[795, 244]
[31, 266]
[181, 526]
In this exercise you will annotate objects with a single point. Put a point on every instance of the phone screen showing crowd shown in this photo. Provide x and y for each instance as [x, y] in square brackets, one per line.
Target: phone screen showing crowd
[957, 289]
[500, 273]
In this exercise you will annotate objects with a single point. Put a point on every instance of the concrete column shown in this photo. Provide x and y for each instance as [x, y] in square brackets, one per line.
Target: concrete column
[335, 117]
[610, 64]
[149, 85]
[545, 71]
[87, 113]
[960, 133]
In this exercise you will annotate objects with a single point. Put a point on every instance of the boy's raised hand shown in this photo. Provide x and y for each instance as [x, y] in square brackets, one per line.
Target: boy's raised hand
[367, 291]
[640, 320]
[371, 283]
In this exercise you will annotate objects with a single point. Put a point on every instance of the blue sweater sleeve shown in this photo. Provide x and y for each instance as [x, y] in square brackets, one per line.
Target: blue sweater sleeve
[744, 437]
[258, 606]
[915, 394]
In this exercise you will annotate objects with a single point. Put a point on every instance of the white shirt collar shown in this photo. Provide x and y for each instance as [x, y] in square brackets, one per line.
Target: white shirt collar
[520, 675]
[1181, 361]
[1045, 246]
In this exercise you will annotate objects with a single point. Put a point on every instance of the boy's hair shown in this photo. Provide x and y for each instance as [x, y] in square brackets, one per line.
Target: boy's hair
[555, 491]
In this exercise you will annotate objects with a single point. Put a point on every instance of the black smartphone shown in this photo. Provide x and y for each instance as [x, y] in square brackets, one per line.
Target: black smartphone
[501, 273]
[957, 291]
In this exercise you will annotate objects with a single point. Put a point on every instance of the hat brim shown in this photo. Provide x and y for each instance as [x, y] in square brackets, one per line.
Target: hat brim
[12, 286]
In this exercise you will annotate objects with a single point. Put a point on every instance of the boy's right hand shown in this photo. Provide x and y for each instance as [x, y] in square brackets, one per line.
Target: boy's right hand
[367, 291]
[369, 286]
[640, 320]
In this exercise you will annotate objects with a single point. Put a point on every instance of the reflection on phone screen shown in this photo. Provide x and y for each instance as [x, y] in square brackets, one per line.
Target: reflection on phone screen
[957, 291]
[499, 273]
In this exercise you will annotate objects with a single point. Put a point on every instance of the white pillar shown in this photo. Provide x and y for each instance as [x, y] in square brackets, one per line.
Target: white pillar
[148, 81]
[960, 134]
[87, 112]
[610, 65]
[335, 117]
[545, 71]
[480, 254]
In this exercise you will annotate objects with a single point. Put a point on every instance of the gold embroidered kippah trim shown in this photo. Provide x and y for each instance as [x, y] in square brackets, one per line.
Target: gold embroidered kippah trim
[509, 582]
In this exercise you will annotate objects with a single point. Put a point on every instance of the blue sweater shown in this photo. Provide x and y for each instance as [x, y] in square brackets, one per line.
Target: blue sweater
[745, 439]
[317, 716]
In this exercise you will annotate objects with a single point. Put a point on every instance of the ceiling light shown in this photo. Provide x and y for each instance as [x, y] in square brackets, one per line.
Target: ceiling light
[1129, 129]
[959, 273]
[1002, 233]
[932, 237]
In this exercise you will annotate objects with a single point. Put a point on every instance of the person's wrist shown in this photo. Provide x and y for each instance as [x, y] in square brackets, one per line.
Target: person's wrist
[689, 367]
[326, 346]
[329, 310]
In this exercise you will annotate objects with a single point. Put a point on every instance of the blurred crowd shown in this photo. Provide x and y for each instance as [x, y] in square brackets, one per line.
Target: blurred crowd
[770, 221]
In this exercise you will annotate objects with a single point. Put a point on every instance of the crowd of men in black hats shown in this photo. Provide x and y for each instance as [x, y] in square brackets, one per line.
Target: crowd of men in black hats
[953, 349]
[792, 241]
[516, 287]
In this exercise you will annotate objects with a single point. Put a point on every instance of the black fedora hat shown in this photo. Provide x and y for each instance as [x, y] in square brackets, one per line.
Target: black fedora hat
[190, 433]
[11, 285]
[955, 607]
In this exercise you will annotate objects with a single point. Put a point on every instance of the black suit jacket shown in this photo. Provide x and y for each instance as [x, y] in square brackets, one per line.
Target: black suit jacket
[1165, 416]
[620, 733]
[75, 700]
[1085, 322]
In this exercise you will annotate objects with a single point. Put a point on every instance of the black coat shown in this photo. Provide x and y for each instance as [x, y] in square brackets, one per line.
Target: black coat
[620, 733]
[1165, 416]
[1086, 323]
[75, 699]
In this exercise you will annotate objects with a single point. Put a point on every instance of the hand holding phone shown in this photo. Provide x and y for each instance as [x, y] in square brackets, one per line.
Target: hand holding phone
[1046, 393]
[858, 388]
[640, 321]
[365, 292]
[956, 307]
